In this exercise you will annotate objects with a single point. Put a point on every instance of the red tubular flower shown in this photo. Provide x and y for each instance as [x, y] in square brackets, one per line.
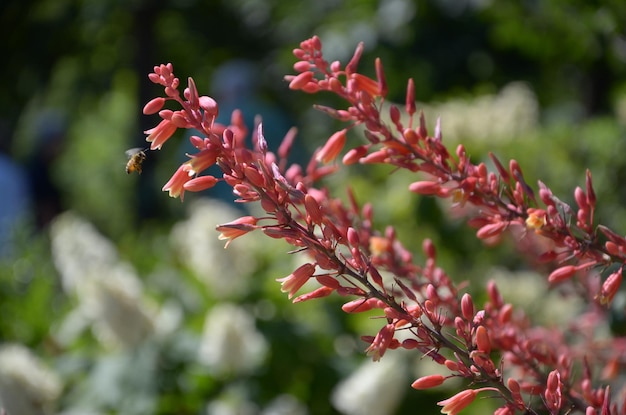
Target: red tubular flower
[235, 229]
[159, 134]
[330, 231]
[333, 147]
[363, 83]
[381, 342]
[294, 281]
[201, 161]
[175, 186]
[458, 402]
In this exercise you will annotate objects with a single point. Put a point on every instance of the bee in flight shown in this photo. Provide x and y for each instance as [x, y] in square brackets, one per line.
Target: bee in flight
[136, 156]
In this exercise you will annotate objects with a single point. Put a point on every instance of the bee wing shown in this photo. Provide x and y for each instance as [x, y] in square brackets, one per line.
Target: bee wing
[132, 151]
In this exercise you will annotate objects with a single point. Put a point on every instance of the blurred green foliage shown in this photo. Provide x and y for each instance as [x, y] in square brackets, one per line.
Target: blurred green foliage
[87, 62]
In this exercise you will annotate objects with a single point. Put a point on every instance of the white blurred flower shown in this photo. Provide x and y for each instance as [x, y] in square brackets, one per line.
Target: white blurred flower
[109, 292]
[225, 271]
[376, 388]
[285, 405]
[116, 307]
[510, 113]
[219, 407]
[230, 341]
[26, 385]
[77, 248]
[233, 400]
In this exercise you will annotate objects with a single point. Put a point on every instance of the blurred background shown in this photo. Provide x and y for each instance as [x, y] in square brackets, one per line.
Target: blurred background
[116, 299]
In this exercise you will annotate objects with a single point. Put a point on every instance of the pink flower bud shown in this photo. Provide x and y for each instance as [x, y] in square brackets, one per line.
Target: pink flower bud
[612, 248]
[467, 307]
[380, 77]
[200, 183]
[318, 293]
[328, 281]
[410, 344]
[354, 62]
[610, 287]
[312, 206]
[359, 306]
[410, 136]
[299, 81]
[429, 248]
[581, 198]
[425, 188]
[427, 382]
[301, 66]
[591, 194]
[354, 155]
[410, 99]
[490, 230]
[209, 105]
[179, 119]
[482, 340]
[154, 106]
[501, 170]
[333, 147]
[561, 274]
[353, 237]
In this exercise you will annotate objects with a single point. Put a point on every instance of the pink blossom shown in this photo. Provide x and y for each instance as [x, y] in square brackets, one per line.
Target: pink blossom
[381, 342]
[294, 281]
[370, 266]
[176, 185]
[458, 402]
[235, 229]
[159, 134]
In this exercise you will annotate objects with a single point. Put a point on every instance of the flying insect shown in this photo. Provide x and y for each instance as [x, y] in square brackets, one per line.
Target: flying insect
[136, 157]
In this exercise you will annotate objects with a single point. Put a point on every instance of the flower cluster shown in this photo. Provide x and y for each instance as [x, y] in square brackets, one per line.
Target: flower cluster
[531, 369]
